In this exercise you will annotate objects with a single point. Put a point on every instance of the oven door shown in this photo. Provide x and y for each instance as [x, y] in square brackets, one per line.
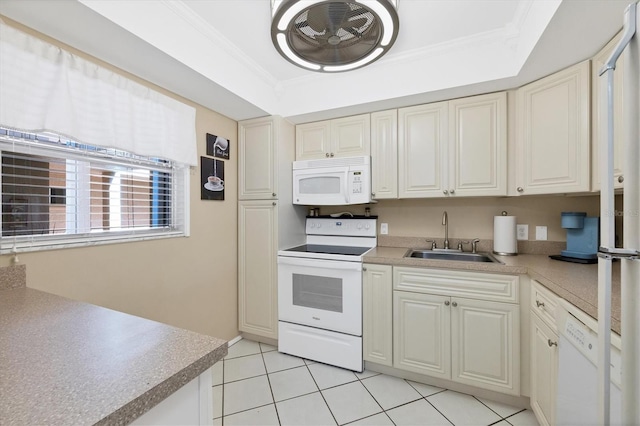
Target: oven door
[321, 186]
[319, 293]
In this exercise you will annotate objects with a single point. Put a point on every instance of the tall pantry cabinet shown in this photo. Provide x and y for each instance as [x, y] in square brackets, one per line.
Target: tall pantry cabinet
[267, 219]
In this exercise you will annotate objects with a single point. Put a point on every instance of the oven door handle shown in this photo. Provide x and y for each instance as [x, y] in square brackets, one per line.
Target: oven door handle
[320, 263]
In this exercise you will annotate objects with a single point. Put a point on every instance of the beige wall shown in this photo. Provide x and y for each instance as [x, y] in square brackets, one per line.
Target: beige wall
[473, 217]
[186, 282]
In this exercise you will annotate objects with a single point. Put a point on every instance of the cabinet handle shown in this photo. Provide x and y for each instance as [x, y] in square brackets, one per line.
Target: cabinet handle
[364, 269]
[331, 154]
[550, 343]
[539, 304]
[326, 154]
[620, 178]
[445, 192]
[453, 191]
[274, 203]
[446, 303]
[454, 304]
[520, 189]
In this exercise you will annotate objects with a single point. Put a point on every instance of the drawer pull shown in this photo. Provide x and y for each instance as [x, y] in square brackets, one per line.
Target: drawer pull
[550, 343]
[539, 304]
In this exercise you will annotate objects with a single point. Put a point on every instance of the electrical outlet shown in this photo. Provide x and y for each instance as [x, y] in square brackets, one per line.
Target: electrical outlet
[384, 228]
[522, 232]
[541, 233]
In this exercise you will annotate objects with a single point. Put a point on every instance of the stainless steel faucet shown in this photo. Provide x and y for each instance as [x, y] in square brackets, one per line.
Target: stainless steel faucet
[445, 222]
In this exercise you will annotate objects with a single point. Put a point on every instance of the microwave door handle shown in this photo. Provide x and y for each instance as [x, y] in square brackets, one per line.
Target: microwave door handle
[347, 187]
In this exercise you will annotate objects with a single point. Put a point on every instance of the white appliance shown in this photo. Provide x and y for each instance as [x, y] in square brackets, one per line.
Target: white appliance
[332, 181]
[577, 394]
[320, 292]
[629, 256]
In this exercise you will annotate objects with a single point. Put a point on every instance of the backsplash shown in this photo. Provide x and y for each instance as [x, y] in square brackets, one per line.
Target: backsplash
[13, 276]
[473, 217]
[484, 245]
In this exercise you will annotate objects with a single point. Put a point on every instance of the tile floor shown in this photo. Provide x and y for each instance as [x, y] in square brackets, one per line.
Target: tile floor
[256, 385]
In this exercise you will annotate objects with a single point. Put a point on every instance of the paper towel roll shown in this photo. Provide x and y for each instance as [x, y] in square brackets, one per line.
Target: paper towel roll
[504, 235]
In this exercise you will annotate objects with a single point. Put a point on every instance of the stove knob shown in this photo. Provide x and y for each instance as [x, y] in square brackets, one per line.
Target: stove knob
[367, 226]
[359, 226]
[319, 225]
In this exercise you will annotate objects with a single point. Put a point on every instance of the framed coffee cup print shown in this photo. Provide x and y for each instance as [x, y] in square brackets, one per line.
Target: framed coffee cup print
[211, 179]
[217, 146]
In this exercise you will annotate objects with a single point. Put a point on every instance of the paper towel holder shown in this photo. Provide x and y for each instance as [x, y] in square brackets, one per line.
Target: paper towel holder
[509, 249]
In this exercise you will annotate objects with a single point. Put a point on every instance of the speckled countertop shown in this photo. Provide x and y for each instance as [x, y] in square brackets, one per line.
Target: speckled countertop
[576, 283]
[68, 362]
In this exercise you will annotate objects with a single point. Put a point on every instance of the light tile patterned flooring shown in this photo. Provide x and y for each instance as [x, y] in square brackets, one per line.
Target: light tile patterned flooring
[256, 385]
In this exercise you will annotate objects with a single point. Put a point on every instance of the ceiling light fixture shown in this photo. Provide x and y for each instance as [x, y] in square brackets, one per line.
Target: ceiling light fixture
[333, 35]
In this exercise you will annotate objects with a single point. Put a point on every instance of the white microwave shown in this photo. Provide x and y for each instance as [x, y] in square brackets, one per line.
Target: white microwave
[332, 181]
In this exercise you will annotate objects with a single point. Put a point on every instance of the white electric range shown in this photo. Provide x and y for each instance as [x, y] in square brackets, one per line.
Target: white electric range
[320, 291]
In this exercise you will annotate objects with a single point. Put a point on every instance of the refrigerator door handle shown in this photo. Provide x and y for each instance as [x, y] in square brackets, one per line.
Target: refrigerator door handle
[618, 253]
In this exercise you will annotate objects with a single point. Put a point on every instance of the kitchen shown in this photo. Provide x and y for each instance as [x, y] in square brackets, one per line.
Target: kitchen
[208, 305]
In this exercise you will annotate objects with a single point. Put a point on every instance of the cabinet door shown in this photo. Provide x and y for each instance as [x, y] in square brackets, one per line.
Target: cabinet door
[478, 145]
[384, 154]
[544, 370]
[422, 151]
[257, 268]
[485, 344]
[351, 136]
[313, 140]
[257, 174]
[421, 333]
[377, 308]
[553, 139]
[600, 114]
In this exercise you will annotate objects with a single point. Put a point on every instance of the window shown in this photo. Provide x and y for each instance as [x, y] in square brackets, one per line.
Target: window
[61, 193]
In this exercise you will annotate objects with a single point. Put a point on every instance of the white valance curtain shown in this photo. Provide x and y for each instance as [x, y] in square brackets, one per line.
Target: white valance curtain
[45, 88]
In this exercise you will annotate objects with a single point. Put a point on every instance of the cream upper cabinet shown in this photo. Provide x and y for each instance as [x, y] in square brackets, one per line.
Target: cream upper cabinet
[455, 148]
[478, 146]
[257, 153]
[552, 133]
[600, 115]
[342, 137]
[459, 326]
[377, 307]
[257, 268]
[422, 150]
[384, 154]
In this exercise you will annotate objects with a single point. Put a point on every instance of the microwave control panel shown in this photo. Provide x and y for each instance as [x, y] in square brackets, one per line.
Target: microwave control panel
[356, 182]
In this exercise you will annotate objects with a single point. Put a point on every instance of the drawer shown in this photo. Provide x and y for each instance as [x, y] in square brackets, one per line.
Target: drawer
[544, 304]
[474, 285]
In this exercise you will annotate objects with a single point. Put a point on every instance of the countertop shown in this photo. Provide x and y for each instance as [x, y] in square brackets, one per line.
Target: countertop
[576, 283]
[68, 362]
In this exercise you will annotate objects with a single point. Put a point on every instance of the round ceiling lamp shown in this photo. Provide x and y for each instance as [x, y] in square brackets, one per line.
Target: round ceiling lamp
[333, 35]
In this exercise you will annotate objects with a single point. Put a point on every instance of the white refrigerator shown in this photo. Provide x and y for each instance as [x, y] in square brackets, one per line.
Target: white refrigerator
[628, 255]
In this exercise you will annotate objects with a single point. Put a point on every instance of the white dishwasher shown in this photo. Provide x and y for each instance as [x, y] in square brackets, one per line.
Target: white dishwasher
[576, 401]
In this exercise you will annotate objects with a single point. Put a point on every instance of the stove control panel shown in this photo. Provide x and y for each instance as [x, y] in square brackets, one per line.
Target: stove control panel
[341, 226]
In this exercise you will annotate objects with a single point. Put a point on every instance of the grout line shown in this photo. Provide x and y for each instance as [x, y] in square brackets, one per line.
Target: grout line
[424, 396]
[506, 418]
[249, 409]
[241, 356]
[270, 388]
[494, 411]
[321, 394]
[436, 408]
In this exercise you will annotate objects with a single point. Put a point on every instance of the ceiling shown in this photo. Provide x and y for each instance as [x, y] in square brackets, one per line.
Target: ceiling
[218, 53]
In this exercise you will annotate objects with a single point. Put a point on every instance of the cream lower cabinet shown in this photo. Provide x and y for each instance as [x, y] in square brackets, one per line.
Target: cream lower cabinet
[553, 133]
[342, 137]
[544, 353]
[458, 326]
[544, 371]
[257, 268]
[377, 314]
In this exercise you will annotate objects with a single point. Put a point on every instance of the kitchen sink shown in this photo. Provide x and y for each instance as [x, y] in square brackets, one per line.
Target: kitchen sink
[456, 256]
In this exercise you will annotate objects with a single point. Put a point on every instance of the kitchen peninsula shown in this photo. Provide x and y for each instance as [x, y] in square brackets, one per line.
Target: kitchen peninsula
[68, 362]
